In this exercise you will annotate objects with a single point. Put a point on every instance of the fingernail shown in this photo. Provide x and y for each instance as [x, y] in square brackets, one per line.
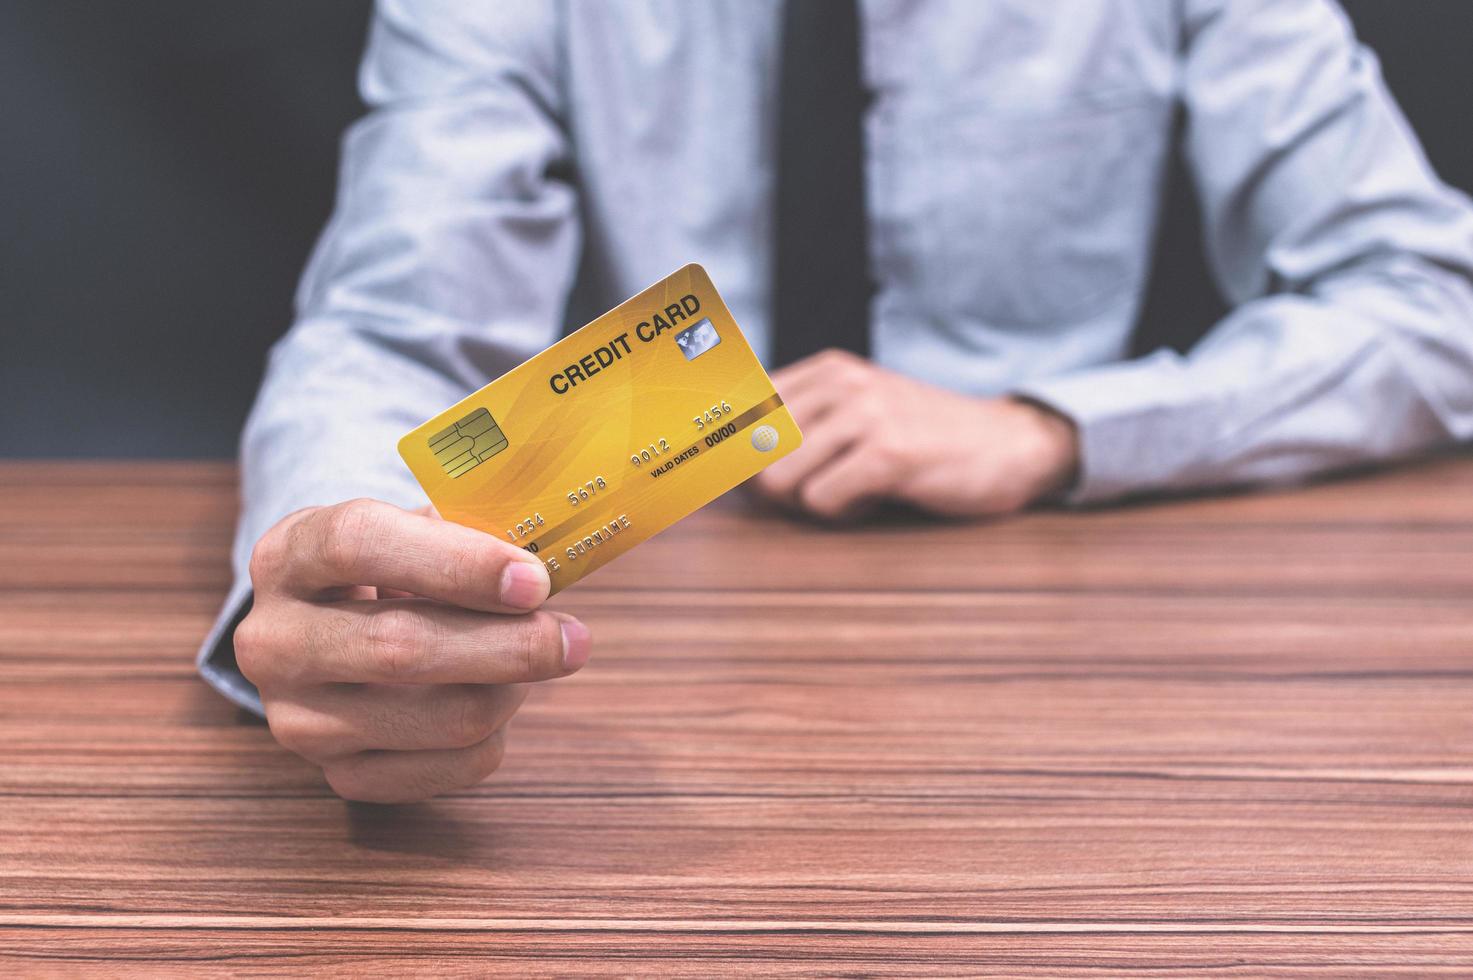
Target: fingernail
[577, 643]
[523, 585]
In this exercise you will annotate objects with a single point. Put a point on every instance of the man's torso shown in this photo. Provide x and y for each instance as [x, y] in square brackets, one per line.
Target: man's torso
[1014, 153]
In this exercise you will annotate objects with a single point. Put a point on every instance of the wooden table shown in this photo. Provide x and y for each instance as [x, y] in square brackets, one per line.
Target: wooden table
[1229, 735]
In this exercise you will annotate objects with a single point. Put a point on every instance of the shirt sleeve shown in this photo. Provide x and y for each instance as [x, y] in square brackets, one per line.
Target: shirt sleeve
[1348, 263]
[449, 258]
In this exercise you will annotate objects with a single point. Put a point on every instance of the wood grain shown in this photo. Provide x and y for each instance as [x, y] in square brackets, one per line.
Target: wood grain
[1229, 734]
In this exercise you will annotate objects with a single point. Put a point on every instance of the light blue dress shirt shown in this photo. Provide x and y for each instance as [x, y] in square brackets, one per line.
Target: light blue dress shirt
[528, 164]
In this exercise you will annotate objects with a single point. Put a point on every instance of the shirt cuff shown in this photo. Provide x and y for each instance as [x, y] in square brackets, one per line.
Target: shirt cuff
[216, 659]
[1132, 436]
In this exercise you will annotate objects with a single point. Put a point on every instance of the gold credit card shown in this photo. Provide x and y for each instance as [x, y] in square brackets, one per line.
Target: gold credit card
[610, 435]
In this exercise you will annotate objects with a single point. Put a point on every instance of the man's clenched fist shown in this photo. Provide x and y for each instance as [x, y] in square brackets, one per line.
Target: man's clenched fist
[391, 648]
[874, 436]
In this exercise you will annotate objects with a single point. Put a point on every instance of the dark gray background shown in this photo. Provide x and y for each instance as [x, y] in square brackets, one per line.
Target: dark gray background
[166, 164]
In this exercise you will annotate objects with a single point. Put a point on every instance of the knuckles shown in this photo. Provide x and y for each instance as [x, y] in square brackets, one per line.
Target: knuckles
[479, 717]
[891, 449]
[392, 640]
[269, 651]
[844, 368]
[274, 550]
[347, 531]
[294, 732]
[252, 648]
[470, 571]
[462, 768]
[267, 558]
[838, 359]
[872, 410]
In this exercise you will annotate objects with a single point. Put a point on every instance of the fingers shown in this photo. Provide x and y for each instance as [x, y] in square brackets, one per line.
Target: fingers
[404, 777]
[405, 641]
[815, 390]
[812, 406]
[845, 406]
[821, 444]
[815, 386]
[853, 482]
[390, 647]
[369, 543]
[332, 722]
[828, 369]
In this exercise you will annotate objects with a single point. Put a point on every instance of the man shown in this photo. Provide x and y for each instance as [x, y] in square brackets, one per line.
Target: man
[523, 158]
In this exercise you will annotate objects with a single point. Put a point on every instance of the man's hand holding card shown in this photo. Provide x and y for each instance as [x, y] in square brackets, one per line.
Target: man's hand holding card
[391, 648]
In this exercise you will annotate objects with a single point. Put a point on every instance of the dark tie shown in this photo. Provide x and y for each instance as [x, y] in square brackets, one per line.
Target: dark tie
[821, 283]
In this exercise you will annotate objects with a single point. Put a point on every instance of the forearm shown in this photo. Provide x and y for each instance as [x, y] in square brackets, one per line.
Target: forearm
[1349, 264]
[1373, 364]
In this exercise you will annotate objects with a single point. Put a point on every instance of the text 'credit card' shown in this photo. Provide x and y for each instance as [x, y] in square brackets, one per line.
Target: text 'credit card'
[610, 435]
